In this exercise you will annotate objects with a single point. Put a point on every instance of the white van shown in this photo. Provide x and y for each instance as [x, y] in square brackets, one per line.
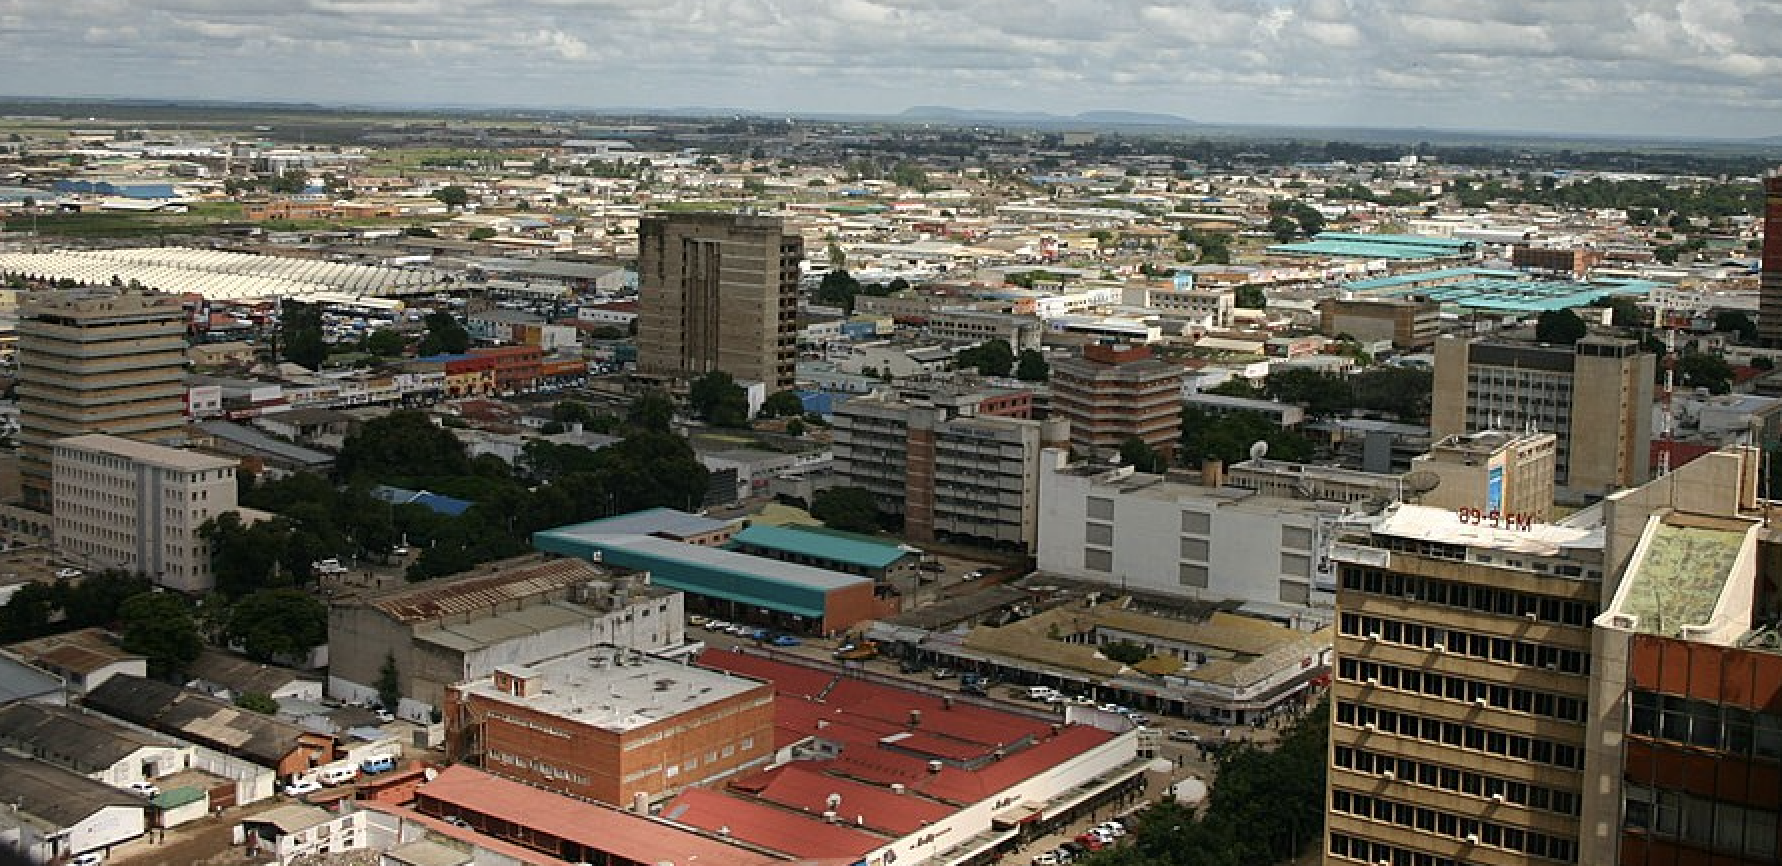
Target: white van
[338, 775]
[1040, 693]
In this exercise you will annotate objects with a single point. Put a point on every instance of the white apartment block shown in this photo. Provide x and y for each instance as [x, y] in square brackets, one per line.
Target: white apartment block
[136, 506]
[1168, 536]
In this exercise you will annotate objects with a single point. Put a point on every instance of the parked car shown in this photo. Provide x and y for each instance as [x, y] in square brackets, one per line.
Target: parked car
[379, 764]
[785, 640]
[943, 673]
[932, 565]
[716, 625]
[89, 858]
[911, 666]
[697, 621]
[67, 573]
[1182, 735]
[1091, 842]
[146, 789]
[974, 574]
[1046, 858]
[303, 786]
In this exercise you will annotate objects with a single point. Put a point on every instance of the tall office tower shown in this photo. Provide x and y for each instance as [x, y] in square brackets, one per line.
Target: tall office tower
[719, 292]
[1115, 392]
[96, 361]
[1769, 296]
[1596, 397]
[1458, 710]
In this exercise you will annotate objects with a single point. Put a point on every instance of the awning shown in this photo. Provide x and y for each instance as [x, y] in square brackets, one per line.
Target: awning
[1024, 812]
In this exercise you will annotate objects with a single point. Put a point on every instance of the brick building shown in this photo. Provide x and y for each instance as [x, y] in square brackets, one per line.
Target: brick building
[610, 724]
[1115, 392]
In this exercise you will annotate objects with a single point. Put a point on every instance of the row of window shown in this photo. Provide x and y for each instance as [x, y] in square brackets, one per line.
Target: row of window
[1709, 725]
[1502, 650]
[1462, 736]
[1486, 833]
[1468, 596]
[1733, 829]
[1416, 682]
[1458, 781]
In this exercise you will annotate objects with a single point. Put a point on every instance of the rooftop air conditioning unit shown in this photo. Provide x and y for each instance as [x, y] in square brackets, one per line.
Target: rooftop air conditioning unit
[1390, 775]
[1373, 635]
[1497, 798]
[1439, 647]
[1481, 702]
[1373, 681]
[1472, 838]
[1371, 726]
[1532, 615]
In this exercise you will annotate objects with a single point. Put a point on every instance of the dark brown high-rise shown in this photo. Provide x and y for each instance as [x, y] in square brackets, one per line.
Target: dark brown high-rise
[718, 292]
[1769, 297]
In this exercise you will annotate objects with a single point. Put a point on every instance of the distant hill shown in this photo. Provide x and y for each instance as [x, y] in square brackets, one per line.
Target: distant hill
[948, 114]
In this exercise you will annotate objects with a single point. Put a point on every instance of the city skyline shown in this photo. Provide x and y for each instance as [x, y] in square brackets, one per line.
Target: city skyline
[1614, 67]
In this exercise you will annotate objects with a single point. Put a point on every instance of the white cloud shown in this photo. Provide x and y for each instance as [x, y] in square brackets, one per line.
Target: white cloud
[1658, 66]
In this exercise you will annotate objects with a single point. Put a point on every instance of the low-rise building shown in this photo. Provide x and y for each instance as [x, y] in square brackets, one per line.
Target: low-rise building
[1492, 471]
[57, 814]
[90, 744]
[610, 724]
[84, 659]
[215, 724]
[465, 626]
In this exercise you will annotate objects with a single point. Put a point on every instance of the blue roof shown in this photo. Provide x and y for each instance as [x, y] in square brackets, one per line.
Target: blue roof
[654, 521]
[1501, 291]
[431, 501]
[1385, 246]
[443, 358]
[853, 550]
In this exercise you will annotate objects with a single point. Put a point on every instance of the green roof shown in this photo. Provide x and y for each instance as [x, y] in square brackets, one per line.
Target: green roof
[1679, 580]
[173, 798]
[1382, 246]
[817, 543]
[1500, 291]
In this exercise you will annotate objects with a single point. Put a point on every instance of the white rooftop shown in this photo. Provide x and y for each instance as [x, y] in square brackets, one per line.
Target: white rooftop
[1443, 526]
[614, 689]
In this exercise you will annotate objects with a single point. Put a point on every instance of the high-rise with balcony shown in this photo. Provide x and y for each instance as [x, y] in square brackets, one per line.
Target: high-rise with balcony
[1116, 392]
[718, 293]
[1460, 702]
[96, 361]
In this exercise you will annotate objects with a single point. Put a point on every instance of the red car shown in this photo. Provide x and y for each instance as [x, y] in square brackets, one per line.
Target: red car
[1091, 841]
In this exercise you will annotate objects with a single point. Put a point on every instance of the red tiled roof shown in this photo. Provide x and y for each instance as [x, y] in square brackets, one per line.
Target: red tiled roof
[794, 833]
[622, 834]
[509, 849]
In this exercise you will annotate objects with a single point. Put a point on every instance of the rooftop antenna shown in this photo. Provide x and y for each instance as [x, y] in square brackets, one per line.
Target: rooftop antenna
[1666, 418]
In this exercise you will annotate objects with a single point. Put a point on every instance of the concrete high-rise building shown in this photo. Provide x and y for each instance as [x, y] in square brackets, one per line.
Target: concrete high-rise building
[951, 470]
[136, 507]
[1509, 473]
[1459, 704]
[1769, 296]
[96, 361]
[1410, 323]
[1116, 392]
[1595, 397]
[718, 293]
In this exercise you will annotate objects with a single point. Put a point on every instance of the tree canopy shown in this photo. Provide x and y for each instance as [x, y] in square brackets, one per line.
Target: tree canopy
[300, 334]
[1560, 327]
[160, 627]
[992, 358]
[782, 404]
[402, 443]
[1031, 366]
[847, 508]
[278, 623]
[445, 336]
[1227, 437]
[453, 196]
[716, 399]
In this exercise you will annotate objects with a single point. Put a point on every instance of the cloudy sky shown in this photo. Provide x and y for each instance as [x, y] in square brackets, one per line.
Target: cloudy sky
[1710, 68]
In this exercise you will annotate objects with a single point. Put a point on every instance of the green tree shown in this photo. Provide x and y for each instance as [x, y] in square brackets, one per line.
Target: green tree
[1031, 366]
[27, 613]
[1250, 298]
[846, 508]
[1736, 322]
[1701, 370]
[453, 196]
[838, 287]
[1283, 228]
[389, 684]
[1136, 453]
[246, 557]
[1560, 327]
[992, 358]
[795, 427]
[258, 702]
[652, 410]
[445, 335]
[300, 334]
[1125, 652]
[1227, 437]
[716, 399]
[782, 404]
[278, 623]
[481, 233]
[159, 626]
[1322, 394]
[386, 343]
[402, 443]
[572, 412]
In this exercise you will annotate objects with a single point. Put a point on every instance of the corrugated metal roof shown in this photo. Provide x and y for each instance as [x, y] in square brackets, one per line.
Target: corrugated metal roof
[861, 552]
[498, 583]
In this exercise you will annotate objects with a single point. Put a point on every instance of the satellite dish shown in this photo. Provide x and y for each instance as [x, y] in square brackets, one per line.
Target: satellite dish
[1419, 482]
[1259, 450]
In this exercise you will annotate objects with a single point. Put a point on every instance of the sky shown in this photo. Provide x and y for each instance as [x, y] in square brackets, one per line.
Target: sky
[1695, 68]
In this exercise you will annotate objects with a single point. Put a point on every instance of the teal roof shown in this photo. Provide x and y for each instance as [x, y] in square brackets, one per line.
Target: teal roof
[1354, 245]
[834, 547]
[173, 798]
[1501, 291]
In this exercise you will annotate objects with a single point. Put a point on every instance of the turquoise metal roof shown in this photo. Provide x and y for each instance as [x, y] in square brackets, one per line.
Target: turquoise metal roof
[853, 550]
[1355, 245]
[1519, 293]
[1457, 246]
[1421, 277]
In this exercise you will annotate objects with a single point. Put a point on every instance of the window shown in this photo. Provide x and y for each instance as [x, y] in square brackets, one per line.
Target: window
[1192, 575]
[1098, 560]
[1097, 508]
[1196, 522]
[1099, 533]
[1194, 549]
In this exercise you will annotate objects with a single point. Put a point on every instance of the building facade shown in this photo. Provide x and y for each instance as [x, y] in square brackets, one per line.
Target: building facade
[1459, 705]
[611, 725]
[1595, 397]
[1769, 298]
[1176, 537]
[718, 293]
[953, 474]
[96, 361]
[1114, 392]
[1511, 473]
[1410, 323]
[137, 507]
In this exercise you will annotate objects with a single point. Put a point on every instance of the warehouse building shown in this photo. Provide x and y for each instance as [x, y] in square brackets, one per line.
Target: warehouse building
[736, 586]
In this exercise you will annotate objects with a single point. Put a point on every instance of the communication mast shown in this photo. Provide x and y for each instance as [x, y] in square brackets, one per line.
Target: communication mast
[1666, 418]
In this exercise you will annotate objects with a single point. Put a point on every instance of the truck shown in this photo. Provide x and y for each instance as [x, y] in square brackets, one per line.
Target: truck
[857, 652]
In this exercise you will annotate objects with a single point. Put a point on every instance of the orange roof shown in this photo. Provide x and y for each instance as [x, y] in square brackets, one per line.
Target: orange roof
[621, 834]
[796, 833]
